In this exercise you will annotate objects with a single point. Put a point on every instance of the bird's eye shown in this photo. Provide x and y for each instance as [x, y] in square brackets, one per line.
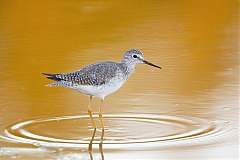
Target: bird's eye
[135, 56]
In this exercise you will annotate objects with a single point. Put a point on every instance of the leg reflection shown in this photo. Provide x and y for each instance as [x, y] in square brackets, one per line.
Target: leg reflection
[90, 144]
[101, 145]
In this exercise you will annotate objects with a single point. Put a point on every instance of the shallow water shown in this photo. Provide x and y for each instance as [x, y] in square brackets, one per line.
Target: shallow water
[187, 110]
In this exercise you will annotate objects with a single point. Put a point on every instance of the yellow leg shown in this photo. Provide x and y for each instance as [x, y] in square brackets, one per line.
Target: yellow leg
[100, 115]
[90, 112]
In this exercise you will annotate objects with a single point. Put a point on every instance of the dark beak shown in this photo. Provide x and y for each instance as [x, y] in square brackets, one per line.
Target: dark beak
[150, 64]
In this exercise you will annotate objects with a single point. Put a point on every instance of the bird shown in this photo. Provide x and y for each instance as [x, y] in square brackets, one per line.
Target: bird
[100, 79]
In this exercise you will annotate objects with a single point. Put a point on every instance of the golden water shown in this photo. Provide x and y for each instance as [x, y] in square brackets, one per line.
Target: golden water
[187, 110]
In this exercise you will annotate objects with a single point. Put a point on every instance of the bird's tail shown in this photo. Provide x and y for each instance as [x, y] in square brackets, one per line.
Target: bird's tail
[59, 81]
[52, 76]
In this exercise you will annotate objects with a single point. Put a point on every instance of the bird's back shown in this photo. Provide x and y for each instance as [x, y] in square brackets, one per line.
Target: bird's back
[94, 74]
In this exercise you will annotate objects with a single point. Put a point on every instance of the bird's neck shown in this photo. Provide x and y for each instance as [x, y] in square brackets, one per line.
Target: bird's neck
[127, 68]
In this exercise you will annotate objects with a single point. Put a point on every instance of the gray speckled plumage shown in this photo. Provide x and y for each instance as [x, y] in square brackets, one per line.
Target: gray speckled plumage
[102, 78]
[93, 74]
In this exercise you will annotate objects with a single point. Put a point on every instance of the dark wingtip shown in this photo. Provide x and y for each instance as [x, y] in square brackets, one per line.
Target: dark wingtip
[47, 74]
[53, 78]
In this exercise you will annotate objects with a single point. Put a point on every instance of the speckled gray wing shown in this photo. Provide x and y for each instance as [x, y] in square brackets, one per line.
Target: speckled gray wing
[93, 74]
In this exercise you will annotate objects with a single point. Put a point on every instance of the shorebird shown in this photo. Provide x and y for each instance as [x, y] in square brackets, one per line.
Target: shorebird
[100, 79]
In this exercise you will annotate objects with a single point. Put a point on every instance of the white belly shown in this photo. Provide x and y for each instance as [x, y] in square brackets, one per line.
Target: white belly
[99, 91]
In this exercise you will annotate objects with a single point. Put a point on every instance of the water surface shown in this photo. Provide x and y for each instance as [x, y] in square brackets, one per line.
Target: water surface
[187, 110]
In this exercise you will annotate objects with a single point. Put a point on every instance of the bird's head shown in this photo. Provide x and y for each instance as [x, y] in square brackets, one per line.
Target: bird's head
[134, 56]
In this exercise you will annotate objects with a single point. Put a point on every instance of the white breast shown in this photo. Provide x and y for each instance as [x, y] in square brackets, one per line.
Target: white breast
[102, 90]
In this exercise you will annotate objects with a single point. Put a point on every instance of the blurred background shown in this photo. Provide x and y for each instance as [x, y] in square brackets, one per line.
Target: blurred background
[195, 42]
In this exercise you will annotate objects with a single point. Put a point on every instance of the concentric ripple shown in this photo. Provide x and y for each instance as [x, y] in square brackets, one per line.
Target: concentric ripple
[73, 131]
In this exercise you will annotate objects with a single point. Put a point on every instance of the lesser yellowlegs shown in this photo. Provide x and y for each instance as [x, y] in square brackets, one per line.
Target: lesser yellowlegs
[100, 79]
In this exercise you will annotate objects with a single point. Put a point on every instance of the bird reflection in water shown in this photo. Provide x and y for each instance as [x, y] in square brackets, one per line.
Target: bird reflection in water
[100, 145]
